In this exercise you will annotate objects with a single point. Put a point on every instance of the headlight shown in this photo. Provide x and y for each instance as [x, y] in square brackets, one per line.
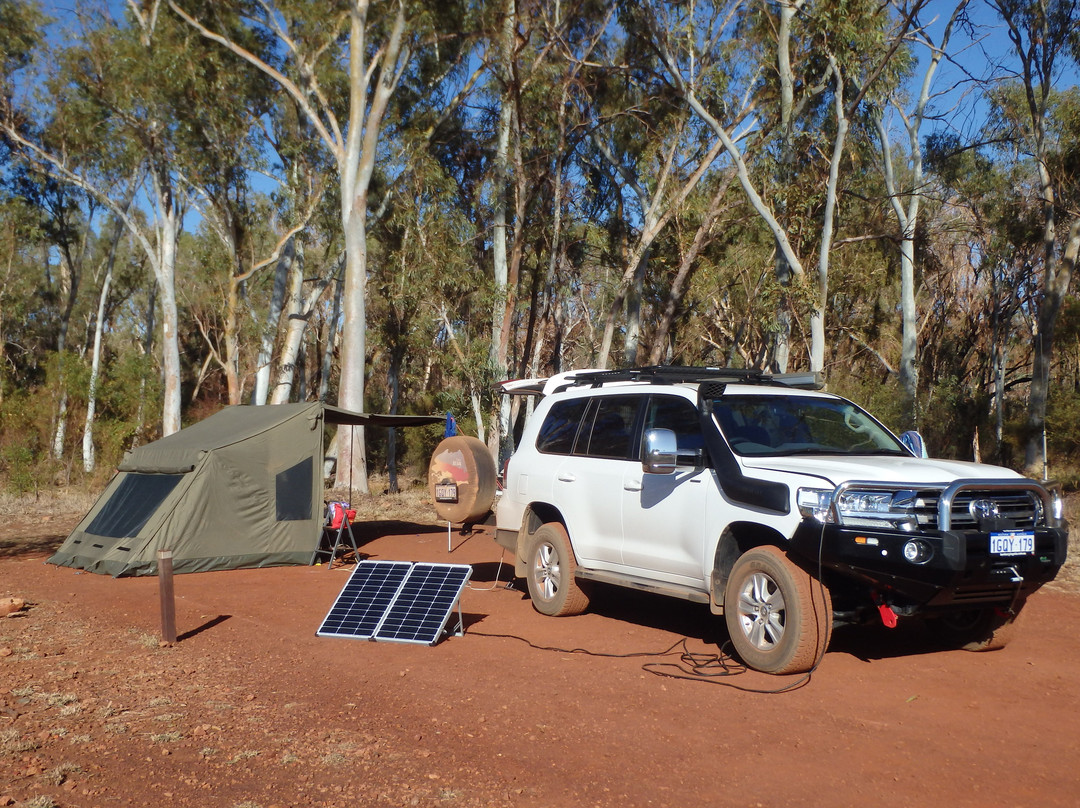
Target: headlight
[864, 502]
[814, 503]
[887, 509]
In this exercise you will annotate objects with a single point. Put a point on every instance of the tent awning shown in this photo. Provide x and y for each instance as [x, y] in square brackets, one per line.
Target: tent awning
[336, 415]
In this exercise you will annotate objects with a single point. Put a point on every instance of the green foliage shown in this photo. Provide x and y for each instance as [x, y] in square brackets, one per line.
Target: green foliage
[1063, 435]
[21, 26]
[203, 121]
[878, 395]
[25, 464]
[18, 462]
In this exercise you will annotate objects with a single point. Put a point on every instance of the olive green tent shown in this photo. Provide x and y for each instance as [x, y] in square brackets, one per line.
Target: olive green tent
[242, 488]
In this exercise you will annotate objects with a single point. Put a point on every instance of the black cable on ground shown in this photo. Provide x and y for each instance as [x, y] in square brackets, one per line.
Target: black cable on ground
[692, 666]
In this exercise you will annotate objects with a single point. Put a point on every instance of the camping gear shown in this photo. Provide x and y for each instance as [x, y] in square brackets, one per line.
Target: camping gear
[242, 488]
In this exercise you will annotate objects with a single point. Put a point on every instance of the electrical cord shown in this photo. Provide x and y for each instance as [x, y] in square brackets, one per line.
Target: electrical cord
[692, 666]
[706, 667]
[493, 583]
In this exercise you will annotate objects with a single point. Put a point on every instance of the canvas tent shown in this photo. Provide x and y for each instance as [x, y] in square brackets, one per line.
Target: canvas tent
[242, 488]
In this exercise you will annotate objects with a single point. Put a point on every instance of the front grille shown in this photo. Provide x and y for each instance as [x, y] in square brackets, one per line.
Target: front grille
[1022, 508]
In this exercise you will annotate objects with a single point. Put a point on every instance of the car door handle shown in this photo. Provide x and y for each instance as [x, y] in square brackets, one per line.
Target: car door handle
[565, 477]
[632, 485]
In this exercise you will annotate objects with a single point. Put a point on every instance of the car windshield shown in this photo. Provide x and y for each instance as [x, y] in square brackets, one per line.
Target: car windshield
[767, 425]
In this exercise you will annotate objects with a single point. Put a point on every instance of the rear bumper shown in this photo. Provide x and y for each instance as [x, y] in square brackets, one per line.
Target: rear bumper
[960, 572]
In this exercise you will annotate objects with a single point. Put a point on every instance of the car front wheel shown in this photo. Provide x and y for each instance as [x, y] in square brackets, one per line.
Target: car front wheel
[778, 616]
[552, 586]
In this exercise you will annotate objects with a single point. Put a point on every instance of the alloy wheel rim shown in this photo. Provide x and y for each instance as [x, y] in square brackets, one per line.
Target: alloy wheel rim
[548, 572]
[762, 612]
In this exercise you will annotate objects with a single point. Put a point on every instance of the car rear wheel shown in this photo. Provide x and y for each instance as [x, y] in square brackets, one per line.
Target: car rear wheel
[552, 586]
[978, 629]
[778, 616]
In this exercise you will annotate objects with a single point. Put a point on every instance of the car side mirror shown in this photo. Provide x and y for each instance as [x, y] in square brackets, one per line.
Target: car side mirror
[659, 452]
[914, 441]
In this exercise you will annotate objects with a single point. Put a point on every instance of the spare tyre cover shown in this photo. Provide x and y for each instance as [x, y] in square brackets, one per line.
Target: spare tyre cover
[461, 479]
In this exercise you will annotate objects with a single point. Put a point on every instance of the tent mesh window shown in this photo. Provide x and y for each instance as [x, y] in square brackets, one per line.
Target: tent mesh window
[131, 506]
[294, 492]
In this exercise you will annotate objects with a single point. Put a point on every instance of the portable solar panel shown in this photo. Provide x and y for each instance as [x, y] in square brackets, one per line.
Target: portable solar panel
[397, 601]
[424, 603]
[371, 588]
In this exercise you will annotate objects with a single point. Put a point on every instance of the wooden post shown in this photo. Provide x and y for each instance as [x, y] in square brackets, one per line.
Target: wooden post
[168, 602]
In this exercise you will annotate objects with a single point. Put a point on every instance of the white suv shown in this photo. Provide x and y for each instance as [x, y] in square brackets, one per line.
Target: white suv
[781, 507]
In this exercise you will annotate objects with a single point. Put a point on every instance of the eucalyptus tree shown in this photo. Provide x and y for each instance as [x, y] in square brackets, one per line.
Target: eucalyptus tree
[782, 111]
[112, 242]
[424, 255]
[22, 24]
[68, 220]
[656, 157]
[128, 94]
[342, 63]
[561, 136]
[1044, 36]
[225, 137]
[20, 235]
[303, 174]
[538, 50]
[906, 193]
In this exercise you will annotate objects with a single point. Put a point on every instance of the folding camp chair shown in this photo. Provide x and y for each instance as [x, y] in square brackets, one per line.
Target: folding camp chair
[336, 534]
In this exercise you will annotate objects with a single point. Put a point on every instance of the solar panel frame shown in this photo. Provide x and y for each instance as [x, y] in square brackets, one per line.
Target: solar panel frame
[362, 603]
[423, 605]
[397, 601]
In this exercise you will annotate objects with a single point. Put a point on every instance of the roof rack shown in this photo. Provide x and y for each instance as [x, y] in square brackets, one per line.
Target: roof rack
[674, 374]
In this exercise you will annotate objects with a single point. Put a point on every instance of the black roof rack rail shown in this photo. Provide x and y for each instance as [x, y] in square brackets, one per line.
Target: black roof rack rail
[675, 374]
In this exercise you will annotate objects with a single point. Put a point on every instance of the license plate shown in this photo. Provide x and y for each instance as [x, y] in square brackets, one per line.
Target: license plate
[1012, 544]
[446, 492]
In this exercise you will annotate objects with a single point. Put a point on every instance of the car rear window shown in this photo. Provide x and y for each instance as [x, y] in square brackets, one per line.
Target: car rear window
[611, 433]
[560, 427]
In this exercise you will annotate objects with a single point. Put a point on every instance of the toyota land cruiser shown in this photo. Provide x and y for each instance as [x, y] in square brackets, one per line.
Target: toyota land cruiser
[782, 507]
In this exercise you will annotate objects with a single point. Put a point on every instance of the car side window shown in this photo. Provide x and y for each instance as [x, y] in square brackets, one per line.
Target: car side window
[681, 417]
[610, 432]
[559, 429]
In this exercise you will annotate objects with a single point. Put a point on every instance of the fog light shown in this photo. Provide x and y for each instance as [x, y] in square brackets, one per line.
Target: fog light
[917, 552]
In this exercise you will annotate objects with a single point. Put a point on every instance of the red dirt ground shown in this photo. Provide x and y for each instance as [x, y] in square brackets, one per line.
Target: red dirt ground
[250, 709]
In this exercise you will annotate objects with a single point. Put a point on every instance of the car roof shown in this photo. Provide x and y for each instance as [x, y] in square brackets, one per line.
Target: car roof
[662, 376]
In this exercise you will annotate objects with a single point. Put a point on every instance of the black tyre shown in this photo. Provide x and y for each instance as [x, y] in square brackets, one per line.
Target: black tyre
[779, 618]
[977, 629]
[552, 586]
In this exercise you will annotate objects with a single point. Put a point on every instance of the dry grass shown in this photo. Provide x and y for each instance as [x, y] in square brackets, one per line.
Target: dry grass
[412, 503]
[60, 500]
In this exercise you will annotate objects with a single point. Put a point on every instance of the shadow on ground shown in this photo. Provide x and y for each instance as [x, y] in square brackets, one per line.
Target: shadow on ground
[369, 530]
[31, 545]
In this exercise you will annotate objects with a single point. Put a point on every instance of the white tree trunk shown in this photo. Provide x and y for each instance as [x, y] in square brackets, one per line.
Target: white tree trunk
[358, 166]
[264, 364]
[331, 331]
[170, 222]
[295, 325]
[95, 362]
[500, 264]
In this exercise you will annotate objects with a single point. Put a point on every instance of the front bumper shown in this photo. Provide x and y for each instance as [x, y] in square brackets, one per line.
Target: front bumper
[960, 572]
